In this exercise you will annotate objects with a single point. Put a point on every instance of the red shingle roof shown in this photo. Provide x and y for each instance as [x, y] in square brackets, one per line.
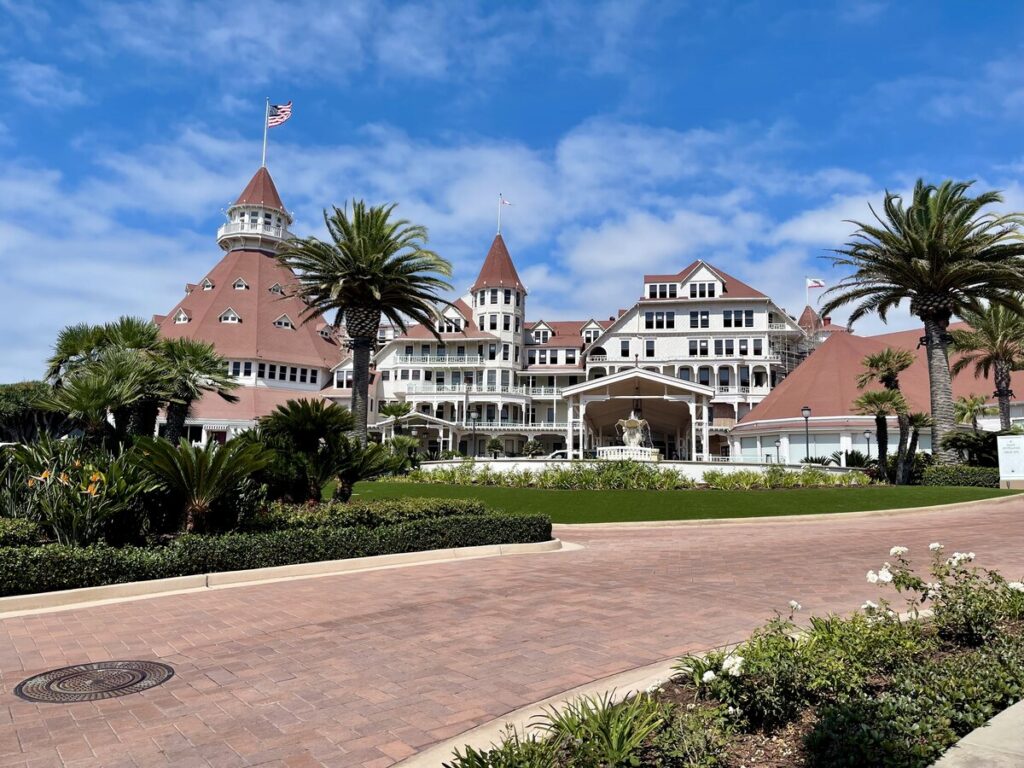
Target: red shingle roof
[261, 191]
[498, 271]
[253, 403]
[255, 337]
[734, 288]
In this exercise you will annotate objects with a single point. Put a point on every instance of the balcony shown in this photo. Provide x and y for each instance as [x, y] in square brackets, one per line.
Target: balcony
[722, 425]
[259, 229]
[739, 390]
[514, 426]
[442, 360]
[478, 389]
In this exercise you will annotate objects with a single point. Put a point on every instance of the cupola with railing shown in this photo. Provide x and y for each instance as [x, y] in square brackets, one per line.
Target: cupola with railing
[257, 220]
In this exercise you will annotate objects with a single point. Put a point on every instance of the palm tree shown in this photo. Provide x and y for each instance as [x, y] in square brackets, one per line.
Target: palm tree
[89, 396]
[994, 344]
[917, 421]
[200, 475]
[396, 411]
[194, 368]
[885, 367]
[969, 407]
[881, 404]
[944, 254]
[373, 266]
[355, 462]
[76, 345]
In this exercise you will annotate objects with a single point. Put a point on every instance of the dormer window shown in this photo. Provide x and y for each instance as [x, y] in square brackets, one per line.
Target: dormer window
[702, 290]
[326, 333]
[590, 336]
[229, 316]
[207, 285]
[276, 288]
[283, 322]
[240, 285]
[541, 337]
[180, 317]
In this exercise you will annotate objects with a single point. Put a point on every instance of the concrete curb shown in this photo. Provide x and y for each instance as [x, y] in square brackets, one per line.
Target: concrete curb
[810, 518]
[997, 744]
[46, 602]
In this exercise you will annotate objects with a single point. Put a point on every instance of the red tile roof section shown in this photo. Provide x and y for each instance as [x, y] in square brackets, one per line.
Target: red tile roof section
[261, 191]
[734, 287]
[253, 403]
[256, 337]
[498, 271]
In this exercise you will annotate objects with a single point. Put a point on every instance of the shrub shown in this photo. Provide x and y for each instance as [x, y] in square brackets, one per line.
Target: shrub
[961, 474]
[370, 514]
[599, 475]
[26, 569]
[15, 532]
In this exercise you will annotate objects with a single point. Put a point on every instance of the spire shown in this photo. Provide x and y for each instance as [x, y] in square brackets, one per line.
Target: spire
[261, 191]
[498, 271]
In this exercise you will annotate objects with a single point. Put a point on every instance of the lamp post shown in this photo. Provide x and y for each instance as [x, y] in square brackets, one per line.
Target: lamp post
[413, 448]
[472, 420]
[806, 413]
[778, 444]
[867, 436]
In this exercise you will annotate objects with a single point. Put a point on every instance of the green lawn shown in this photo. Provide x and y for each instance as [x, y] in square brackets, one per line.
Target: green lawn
[624, 506]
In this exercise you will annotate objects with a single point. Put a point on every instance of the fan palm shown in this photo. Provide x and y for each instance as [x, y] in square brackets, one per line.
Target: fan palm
[917, 421]
[200, 475]
[396, 411]
[193, 368]
[373, 266]
[76, 345]
[969, 407]
[89, 396]
[944, 253]
[994, 345]
[355, 462]
[881, 404]
[885, 367]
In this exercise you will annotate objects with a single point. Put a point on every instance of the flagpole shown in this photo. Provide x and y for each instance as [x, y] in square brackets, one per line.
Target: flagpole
[266, 119]
[499, 213]
[807, 291]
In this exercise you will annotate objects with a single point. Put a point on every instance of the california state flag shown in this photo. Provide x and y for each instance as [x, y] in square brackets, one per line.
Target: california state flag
[815, 282]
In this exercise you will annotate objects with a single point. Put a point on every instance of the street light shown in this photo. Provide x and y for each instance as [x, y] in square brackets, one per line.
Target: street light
[472, 420]
[806, 413]
[778, 444]
[867, 436]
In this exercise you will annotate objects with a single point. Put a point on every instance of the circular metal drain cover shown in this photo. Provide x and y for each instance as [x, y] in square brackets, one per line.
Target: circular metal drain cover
[91, 682]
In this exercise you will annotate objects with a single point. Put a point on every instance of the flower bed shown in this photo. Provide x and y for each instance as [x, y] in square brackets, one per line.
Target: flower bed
[868, 690]
[288, 536]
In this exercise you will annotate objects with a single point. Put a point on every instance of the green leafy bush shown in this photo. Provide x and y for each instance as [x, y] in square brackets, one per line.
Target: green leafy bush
[961, 474]
[602, 476]
[371, 514]
[50, 567]
[15, 532]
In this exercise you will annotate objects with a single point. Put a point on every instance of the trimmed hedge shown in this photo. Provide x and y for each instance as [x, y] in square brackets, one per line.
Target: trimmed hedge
[961, 474]
[17, 531]
[369, 514]
[25, 569]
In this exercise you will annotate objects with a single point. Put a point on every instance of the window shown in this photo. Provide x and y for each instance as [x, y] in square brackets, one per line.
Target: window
[494, 295]
[695, 319]
[743, 346]
[570, 357]
[272, 371]
[702, 290]
[718, 347]
[207, 285]
[416, 374]
[180, 317]
[670, 319]
[662, 291]
[648, 320]
[492, 351]
[542, 357]
[748, 318]
[325, 332]
[283, 322]
[506, 322]
[673, 290]
[505, 351]
[480, 295]
[703, 343]
[704, 376]
[730, 348]
[649, 348]
[236, 368]
[508, 295]
[590, 336]
[693, 347]
[240, 285]
[727, 318]
[723, 377]
[685, 374]
[494, 322]
[652, 291]
[757, 346]
[261, 370]
[302, 375]
[531, 357]
[384, 375]
[518, 297]
[292, 372]
[404, 374]
[230, 316]
[624, 348]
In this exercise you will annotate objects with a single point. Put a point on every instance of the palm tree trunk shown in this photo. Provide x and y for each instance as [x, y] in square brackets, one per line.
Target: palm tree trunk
[343, 490]
[941, 389]
[882, 436]
[908, 467]
[1002, 377]
[176, 415]
[142, 420]
[899, 476]
[360, 385]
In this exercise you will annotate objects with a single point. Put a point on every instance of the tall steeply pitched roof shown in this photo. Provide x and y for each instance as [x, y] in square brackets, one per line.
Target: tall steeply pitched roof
[498, 271]
[255, 337]
[261, 191]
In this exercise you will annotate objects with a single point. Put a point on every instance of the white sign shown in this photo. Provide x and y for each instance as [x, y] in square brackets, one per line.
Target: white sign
[1011, 457]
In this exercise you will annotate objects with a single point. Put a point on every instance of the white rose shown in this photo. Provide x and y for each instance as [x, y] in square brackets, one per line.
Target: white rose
[869, 606]
[708, 676]
[885, 576]
[935, 546]
[795, 605]
[896, 551]
[872, 577]
[1016, 586]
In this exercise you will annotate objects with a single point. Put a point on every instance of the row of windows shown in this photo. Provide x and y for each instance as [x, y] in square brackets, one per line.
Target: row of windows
[496, 295]
[254, 218]
[551, 356]
[725, 379]
[671, 290]
[702, 347]
[657, 320]
[243, 369]
[449, 325]
[731, 318]
[489, 351]
[490, 322]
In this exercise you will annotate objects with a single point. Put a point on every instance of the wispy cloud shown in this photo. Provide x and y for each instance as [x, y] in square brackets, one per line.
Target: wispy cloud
[42, 85]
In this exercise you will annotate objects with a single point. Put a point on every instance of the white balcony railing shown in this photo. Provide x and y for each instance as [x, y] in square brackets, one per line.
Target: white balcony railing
[438, 360]
[246, 228]
[686, 357]
[736, 390]
[491, 426]
[479, 389]
[778, 327]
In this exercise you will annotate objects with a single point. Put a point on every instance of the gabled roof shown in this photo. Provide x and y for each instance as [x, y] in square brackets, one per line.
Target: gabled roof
[733, 288]
[261, 191]
[254, 338]
[628, 374]
[498, 271]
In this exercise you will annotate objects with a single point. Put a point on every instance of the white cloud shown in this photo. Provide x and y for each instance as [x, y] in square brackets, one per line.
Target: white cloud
[42, 85]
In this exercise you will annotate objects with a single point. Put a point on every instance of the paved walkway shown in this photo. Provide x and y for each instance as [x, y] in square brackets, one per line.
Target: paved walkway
[365, 669]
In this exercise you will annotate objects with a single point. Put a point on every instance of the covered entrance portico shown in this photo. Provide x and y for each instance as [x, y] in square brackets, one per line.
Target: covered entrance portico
[676, 411]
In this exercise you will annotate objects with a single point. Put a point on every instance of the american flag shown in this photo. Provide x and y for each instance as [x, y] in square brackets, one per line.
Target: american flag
[278, 114]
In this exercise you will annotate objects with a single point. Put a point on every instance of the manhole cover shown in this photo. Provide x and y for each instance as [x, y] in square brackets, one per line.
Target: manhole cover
[91, 682]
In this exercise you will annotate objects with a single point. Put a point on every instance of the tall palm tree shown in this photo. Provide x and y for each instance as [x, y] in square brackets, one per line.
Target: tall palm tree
[885, 367]
[373, 266]
[193, 368]
[917, 421]
[76, 345]
[90, 395]
[994, 345]
[881, 403]
[944, 253]
[969, 407]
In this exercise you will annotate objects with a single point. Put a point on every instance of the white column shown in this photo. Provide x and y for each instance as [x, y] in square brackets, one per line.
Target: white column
[693, 430]
[583, 426]
[568, 429]
[760, 456]
[845, 444]
[784, 448]
[704, 434]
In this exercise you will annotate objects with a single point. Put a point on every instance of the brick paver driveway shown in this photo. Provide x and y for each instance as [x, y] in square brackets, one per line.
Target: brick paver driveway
[365, 669]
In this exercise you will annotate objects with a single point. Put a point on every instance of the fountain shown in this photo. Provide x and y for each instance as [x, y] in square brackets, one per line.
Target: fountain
[636, 442]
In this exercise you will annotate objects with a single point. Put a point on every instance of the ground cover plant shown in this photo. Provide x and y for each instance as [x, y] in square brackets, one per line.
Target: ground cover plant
[590, 506]
[865, 690]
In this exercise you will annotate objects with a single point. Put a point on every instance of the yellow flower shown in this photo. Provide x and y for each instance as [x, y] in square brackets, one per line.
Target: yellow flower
[77, 463]
[31, 482]
[63, 478]
[91, 490]
[46, 474]
[95, 477]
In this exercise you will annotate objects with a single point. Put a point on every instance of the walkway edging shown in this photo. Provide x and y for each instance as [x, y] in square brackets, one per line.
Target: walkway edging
[1000, 741]
[45, 602]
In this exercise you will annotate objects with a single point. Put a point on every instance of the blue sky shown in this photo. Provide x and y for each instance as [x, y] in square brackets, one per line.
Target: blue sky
[631, 136]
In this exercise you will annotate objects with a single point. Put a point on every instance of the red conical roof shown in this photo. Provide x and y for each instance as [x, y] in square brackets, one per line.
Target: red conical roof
[261, 191]
[498, 271]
